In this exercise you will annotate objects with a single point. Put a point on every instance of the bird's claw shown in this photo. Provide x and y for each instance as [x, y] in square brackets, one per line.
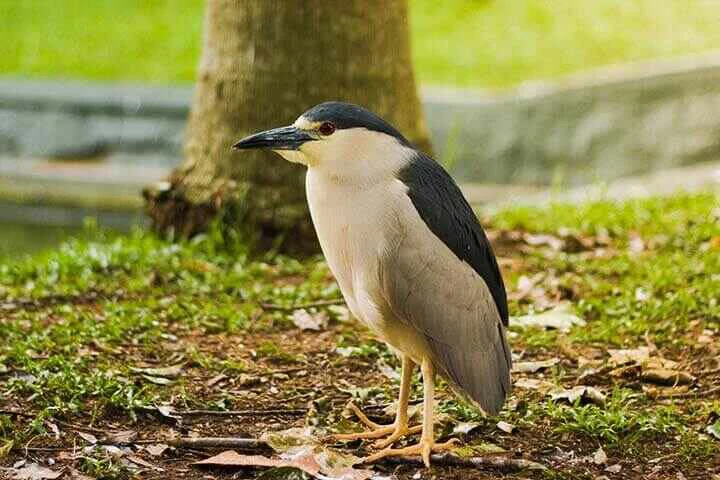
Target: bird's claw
[399, 432]
[424, 448]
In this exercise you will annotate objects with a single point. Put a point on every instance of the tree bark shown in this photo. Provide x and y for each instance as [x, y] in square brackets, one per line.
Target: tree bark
[264, 62]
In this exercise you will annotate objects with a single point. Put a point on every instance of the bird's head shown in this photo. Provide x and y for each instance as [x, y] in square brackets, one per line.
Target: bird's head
[336, 136]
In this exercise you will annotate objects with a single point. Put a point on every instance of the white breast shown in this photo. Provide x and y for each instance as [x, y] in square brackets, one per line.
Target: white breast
[356, 227]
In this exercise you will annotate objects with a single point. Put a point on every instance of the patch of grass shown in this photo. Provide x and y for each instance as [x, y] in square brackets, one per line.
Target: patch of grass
[659, 289]
[78, 322]
[621, 423]
[487, 43]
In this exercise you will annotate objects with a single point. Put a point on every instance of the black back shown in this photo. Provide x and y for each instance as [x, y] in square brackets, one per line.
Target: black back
[348, 115]
[447, 213]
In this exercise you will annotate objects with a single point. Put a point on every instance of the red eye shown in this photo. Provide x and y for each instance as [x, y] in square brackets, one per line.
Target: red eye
[327, 128]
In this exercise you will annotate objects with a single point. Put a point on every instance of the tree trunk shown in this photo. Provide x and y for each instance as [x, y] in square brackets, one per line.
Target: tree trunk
[264, 63]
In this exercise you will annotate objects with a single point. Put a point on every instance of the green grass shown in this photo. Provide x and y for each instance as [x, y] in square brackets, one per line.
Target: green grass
[99, 305]
[479, 43]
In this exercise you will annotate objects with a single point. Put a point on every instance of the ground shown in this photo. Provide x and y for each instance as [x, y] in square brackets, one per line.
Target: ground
[474, 43]
[134, 334]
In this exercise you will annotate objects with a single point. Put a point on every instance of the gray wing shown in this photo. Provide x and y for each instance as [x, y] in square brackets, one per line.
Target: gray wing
[432, 290]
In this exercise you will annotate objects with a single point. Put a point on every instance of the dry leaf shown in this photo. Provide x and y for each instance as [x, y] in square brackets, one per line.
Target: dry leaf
[465, 427]
[158, 380]
[582, 392]
[305, 461]
[156, 449]
[304, 320]
[506, 427]
[561, 318]
[542, 386]
[143, 463]
[532, 367]
[125, 436]
[166, 372]
[662, 376]
[635, 355]
[33, 471]
[599, 457]
[88, 437]
[216, 379]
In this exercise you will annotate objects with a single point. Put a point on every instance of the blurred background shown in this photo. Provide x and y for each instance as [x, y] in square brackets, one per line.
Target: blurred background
[519, 96]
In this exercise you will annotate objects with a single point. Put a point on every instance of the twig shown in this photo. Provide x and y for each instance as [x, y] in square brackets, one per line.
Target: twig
[320, 303]
[447, 459]
[705, 393]
[185, 442]
[208, 442]
[240, 413]
[711, 371]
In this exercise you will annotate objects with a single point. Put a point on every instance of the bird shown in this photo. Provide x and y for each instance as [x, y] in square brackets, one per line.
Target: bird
[410, 258]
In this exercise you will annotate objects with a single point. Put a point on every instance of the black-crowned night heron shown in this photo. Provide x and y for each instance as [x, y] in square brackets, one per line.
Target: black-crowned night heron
[409, 255]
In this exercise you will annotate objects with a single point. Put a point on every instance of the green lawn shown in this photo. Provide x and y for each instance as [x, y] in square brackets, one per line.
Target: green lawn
[479, 43]
[91, 332]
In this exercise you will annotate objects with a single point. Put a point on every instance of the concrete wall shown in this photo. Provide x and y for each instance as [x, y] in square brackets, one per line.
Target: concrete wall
[599, 126]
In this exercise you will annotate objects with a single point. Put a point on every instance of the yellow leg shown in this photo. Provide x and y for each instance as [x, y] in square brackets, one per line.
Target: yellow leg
[400, 427]
[427, 443]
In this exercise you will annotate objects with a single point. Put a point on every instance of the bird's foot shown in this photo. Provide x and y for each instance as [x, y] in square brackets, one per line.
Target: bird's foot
[394, 431]
[424, 449]
[399, 431]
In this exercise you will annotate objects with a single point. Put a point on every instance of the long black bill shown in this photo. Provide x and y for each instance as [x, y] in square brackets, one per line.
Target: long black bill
[283, 138]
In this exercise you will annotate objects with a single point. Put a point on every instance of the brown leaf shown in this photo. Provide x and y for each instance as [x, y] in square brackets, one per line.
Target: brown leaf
[156, 449]
[505, 427]
[635, 355]
[304, 320]
[582, 392]
[125, 436]
[172, 371]
[532, 367]
[88, 437]
[661, 376]
[33, 471]
[143, 463]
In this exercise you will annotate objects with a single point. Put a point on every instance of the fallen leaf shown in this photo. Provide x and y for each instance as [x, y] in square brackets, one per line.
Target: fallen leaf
[582, 392]
[465, 427]
[532, 367]
[216, 379]
[561, 318]
[88, 437]
[167, 372]
[156, 449]
[304, 320]
[543, 386]
[167, 411]
[33, 471]
[143, 463]
[599, 457]
[614, 468]
[158, 380]
[75, 475]
[305, 461]
[634, 355]
[505, 427]
[668, 377]
[125, 436]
